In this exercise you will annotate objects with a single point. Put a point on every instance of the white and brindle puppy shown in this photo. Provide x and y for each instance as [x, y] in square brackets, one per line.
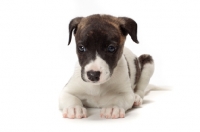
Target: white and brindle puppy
[107, 76]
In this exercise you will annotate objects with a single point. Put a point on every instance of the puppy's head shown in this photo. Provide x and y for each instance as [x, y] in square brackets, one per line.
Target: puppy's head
[99, 44]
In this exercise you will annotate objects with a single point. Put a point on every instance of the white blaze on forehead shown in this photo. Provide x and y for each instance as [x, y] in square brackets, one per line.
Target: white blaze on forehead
[98, 65]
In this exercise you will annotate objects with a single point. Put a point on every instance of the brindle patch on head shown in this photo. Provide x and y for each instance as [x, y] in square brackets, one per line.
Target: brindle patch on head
[128, 67]
[96, 33]
[82, 23]
[116, 23]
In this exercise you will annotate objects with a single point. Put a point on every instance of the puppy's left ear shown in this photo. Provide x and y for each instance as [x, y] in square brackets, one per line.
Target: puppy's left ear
[73, 26]
[128, 26]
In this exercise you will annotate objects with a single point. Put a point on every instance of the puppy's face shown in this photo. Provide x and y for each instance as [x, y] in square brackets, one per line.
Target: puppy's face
[99, 44]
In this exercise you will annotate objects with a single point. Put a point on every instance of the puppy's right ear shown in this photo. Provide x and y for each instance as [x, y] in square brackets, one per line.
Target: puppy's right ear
[128, 26]
[73, 26]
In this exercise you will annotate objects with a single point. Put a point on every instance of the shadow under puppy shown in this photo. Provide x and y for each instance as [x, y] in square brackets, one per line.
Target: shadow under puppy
[108, 75]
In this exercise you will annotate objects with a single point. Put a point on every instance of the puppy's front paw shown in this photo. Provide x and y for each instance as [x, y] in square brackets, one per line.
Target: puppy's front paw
[112, 112]
[138, 100]
[75, 112]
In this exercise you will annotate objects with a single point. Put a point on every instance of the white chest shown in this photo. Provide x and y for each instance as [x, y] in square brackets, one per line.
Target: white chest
[92, 97]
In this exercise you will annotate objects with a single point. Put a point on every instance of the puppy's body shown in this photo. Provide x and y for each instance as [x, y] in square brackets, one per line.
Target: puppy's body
[113, 85]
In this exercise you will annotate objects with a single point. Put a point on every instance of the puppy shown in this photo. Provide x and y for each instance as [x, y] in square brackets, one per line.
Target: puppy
[108, 75]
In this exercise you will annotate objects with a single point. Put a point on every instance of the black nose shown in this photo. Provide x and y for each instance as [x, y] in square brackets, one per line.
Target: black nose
[93, 75]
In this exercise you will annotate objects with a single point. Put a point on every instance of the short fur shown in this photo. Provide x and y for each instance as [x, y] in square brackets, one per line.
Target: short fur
[113, 80]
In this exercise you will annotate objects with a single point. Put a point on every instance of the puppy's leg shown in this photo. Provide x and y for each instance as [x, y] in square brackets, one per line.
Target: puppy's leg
[71, 106]
[147, 69]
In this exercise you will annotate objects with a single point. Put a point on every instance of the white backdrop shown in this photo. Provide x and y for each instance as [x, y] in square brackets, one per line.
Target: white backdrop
[35, 63]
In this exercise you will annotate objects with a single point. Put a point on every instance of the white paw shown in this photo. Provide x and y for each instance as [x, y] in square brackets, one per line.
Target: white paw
[75, 112]
[138, 100]
[112, 112]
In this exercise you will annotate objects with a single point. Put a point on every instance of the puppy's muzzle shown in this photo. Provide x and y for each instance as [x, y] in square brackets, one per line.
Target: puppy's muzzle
[93, 76]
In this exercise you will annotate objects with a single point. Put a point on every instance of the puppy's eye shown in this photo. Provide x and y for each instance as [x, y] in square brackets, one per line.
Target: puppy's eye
[81, 48]
[111, 48]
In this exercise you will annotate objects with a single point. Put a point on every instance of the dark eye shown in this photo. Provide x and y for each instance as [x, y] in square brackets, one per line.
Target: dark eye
[111, 48]
[81, 48]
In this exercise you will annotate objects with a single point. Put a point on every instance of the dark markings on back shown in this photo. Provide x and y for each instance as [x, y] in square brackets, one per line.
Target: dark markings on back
[128, 67]
[138, 71]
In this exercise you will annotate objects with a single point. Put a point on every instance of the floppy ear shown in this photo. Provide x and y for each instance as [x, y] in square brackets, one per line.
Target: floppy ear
[73, 26]
[128, 26]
